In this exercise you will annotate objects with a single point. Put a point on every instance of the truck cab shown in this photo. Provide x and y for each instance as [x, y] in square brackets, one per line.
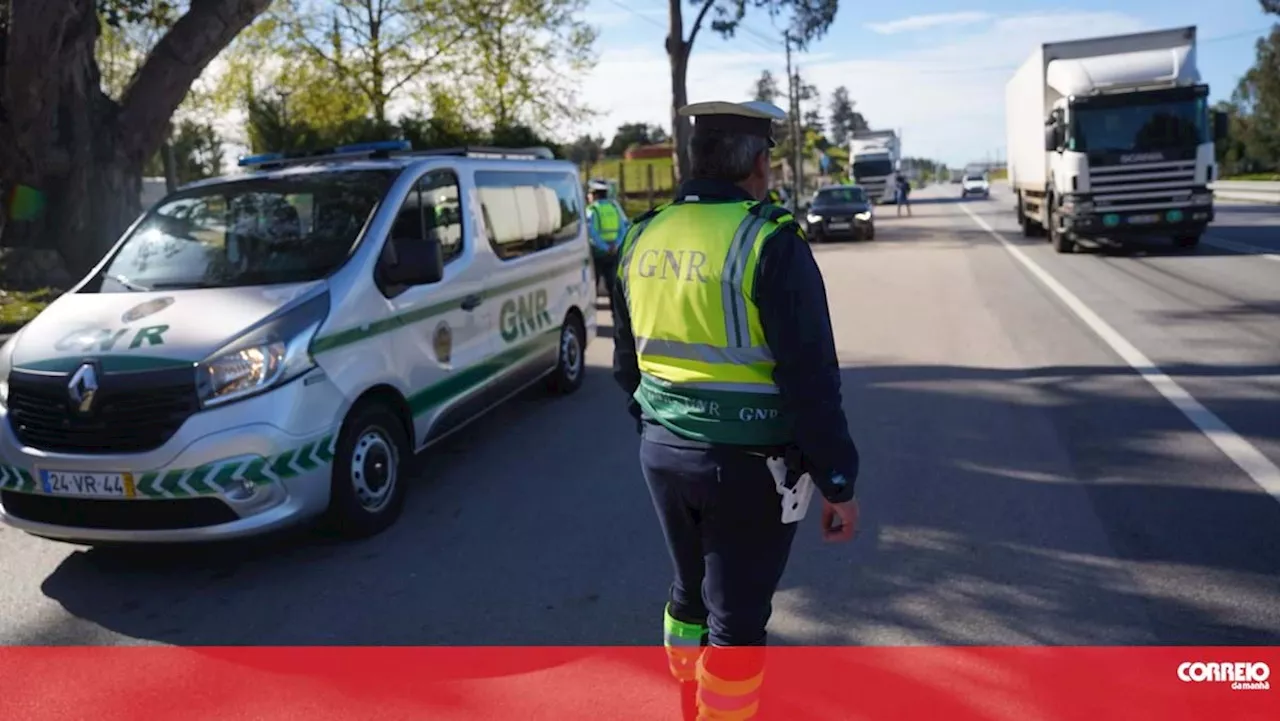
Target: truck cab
[1113, 138]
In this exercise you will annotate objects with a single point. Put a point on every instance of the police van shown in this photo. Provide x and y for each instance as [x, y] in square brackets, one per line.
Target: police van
[275, 346]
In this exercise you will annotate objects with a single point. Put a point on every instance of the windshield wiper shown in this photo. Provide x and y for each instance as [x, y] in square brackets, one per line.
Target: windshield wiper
[126, 283]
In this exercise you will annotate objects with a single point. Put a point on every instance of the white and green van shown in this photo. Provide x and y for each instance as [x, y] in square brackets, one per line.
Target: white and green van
[272, 347]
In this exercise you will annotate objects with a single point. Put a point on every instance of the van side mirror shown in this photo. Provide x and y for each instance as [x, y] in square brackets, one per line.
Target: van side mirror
[1221, 125]
[413, 261]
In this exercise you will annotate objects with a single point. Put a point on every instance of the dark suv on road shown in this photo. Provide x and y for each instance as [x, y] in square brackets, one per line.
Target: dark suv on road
[840, 211]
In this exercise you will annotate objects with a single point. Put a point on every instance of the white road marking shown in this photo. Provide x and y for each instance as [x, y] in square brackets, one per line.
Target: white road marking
[1240, 247]
[1243, 453]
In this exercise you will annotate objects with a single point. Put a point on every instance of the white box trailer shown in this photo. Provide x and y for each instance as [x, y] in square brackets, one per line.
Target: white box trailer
[1112, 137]
[874, 158]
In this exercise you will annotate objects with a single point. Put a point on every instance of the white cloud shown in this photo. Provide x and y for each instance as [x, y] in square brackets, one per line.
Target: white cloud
[922, 22]
[947, 100]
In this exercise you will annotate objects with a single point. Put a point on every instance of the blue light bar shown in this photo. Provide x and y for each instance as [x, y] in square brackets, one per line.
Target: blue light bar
[247, 160]
[385, 146]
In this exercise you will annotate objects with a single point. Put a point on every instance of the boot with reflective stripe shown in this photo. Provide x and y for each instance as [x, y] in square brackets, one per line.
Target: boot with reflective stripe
[729, 683]
[683, 642]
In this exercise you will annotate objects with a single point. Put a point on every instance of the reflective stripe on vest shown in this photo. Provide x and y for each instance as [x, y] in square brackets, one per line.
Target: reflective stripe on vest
[607, 219]
[688, 273]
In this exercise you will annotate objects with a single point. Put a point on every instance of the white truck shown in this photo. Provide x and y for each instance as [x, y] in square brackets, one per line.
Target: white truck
[874, 158]
[1112, 137]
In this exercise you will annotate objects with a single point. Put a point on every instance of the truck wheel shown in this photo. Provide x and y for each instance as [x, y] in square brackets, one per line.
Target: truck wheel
[1061, 241]
[368, 484]
[1187, 241]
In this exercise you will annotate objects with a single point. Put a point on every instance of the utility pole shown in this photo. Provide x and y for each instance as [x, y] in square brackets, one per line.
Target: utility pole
[799, 136]
[791, 125]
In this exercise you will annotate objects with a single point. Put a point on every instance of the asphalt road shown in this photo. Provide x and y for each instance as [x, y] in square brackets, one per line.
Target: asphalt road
[1022, 484]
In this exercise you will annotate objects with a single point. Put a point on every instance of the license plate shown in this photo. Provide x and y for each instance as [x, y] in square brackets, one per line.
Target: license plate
[1143, 219]
[839, 226]
[92, 485]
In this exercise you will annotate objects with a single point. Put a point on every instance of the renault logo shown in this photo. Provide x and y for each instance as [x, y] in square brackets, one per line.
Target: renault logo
[83, 387]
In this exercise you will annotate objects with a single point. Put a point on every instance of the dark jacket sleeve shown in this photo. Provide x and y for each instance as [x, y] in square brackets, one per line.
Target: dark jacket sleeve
[626, 367]
[792, 301]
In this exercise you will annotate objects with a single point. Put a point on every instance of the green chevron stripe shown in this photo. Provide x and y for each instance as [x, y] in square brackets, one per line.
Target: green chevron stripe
[305, 461]
[253, 472]
[324, 450]
[146, 484]
[226, 476]
[280, 466]
[196, 481]
[169, 485]
[208, 479]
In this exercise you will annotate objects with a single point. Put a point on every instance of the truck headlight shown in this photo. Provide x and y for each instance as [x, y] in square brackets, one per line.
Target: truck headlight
[1202, 198]
[813, 218]
[270, 354]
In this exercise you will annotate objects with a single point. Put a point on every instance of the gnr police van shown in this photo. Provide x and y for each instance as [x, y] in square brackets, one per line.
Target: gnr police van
[267, 348]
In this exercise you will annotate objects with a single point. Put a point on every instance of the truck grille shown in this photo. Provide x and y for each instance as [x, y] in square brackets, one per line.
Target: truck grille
[134, 412]
[1142, 186]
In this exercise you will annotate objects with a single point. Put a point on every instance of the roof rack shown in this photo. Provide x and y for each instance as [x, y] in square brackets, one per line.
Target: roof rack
[387, 149]
[379, 149]
[480, 151]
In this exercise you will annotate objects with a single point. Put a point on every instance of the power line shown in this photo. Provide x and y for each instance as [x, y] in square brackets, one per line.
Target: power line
[647, 18]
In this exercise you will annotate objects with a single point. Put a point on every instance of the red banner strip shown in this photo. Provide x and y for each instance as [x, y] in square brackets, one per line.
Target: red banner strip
[560, 684]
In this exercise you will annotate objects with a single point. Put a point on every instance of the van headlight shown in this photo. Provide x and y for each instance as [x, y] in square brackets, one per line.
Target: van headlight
[864, 215]
[813, 218]
[273, 353]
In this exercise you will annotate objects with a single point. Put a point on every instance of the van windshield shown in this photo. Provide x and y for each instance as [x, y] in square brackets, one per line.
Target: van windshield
[252, 232]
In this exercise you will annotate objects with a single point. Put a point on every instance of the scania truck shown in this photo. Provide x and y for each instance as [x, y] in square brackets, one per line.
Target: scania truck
[1112, 138]
[874, 156]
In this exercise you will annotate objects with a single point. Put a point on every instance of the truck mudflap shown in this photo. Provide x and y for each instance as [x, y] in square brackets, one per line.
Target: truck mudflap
[1118, 224]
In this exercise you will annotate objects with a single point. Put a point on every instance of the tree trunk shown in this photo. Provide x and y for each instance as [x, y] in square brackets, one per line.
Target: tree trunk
[84, 152]
[678, 53]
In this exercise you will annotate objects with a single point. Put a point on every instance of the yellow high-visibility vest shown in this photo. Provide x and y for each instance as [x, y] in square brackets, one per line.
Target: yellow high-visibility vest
[688, 275]
[607, 219]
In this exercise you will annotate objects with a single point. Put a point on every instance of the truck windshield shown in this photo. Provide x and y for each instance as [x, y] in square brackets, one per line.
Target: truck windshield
[253, 232]
[872, 168]
[1139, 127]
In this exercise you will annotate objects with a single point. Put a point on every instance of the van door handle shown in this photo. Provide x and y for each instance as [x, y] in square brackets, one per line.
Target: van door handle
[472, 301]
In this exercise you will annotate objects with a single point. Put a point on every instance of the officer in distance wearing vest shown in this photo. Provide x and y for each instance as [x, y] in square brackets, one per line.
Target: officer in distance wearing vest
[608, 225]
[723, 343]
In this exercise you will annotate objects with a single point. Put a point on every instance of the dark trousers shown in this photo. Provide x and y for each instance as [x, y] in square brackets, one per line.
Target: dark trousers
[721, 514]
[606, 267]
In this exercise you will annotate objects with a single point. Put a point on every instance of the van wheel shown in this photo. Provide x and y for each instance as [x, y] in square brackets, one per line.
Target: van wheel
[368, 484]
[570, 361]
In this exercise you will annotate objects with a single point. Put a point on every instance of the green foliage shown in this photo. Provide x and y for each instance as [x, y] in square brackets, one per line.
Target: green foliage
[765, 88]
[809, 19]
[845, 120]
[1253, 143]
[630, 134]
[511, 45]
[156, 13]
[197, 153]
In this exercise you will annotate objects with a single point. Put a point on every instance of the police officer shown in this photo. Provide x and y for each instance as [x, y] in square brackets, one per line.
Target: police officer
[608, 224]
[723, 342]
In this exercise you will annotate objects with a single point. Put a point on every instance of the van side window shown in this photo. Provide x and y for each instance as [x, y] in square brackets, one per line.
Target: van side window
[526, 212]
[441, 210]
[409, 221]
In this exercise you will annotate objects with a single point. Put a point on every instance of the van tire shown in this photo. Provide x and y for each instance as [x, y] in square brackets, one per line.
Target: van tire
[372, 437]
[571, 362]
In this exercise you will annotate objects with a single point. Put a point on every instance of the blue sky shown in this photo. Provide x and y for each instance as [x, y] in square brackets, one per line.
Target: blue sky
[935, 69]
